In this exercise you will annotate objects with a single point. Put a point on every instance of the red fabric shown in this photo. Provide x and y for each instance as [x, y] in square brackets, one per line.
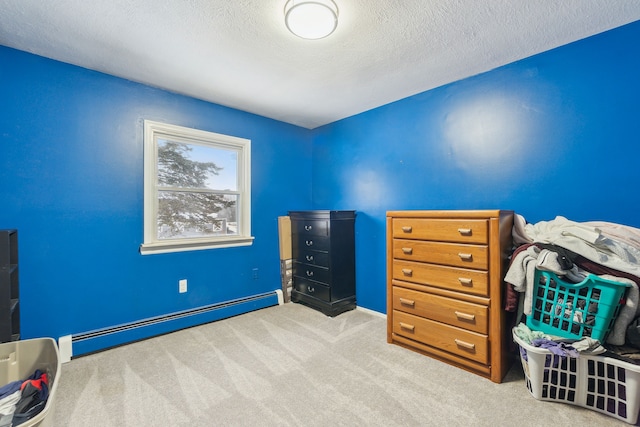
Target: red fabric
[37, 383]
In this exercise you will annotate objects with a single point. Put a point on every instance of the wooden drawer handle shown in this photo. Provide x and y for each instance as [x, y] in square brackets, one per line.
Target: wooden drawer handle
[465, 316]
[407, 251]
[407, 326]
[464, 231]
[465, 281]
[465, 257]
[465, 344]
[407, 229]
[407, 302]
[407, 271]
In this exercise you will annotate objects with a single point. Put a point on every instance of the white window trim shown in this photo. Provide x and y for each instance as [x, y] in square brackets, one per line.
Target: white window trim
[153, 245]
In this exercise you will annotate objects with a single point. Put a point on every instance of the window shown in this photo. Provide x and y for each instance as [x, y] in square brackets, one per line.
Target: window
[197, 189]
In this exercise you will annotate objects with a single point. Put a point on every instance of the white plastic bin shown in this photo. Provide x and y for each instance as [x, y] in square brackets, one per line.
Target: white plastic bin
[20, 359]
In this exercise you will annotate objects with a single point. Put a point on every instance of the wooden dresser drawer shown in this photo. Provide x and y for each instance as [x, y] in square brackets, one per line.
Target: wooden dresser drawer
[458, 341]
[457, 279]
[456, 254]
[445, 230]
[462, 314]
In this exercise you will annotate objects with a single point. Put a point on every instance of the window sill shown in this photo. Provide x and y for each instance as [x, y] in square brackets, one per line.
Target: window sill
[194, 245]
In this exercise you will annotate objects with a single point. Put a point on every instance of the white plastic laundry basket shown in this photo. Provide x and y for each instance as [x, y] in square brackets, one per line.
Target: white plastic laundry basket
[600, 383]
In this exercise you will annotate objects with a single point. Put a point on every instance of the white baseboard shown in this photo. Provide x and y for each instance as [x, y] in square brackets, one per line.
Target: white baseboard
[375, 313]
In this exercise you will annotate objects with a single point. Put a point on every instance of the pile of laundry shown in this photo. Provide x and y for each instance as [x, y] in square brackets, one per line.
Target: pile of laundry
[21, 400]
[557, 345]
[572, 251]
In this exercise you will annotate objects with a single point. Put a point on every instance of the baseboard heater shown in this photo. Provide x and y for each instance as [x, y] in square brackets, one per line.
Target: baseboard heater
[102, 339]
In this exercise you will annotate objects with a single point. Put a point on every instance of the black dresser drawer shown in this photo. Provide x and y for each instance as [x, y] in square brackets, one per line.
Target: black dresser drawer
[315, 243]
[313, 257]
[310, 227]
[312, 289]
[311, 272]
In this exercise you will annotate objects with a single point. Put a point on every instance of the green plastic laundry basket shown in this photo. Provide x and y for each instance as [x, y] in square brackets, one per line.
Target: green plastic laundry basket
[575, 310]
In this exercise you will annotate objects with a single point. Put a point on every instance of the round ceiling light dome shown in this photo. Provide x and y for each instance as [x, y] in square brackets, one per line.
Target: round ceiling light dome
[311, 19]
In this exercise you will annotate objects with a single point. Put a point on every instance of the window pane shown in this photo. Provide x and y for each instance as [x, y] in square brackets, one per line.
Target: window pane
[196, 166]
[191, 215]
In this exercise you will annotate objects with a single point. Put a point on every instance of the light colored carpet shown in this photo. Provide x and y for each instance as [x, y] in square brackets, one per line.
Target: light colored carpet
[292, 366]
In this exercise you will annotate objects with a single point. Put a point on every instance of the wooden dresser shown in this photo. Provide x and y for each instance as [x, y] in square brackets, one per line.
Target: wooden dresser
[445, 273]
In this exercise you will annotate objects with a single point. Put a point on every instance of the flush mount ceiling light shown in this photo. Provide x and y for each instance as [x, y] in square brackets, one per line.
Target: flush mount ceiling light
[311, 19]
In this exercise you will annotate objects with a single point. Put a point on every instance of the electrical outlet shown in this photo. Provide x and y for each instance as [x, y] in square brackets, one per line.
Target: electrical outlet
[255, 274]
[182, 286]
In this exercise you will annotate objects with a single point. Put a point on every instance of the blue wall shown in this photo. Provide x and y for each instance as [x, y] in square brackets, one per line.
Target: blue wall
[554, 134]
[71, 182]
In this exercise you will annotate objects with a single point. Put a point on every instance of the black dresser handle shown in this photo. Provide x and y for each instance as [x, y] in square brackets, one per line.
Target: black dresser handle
[309, 242]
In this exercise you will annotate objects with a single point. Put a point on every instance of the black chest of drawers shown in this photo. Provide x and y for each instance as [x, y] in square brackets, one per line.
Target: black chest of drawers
[323, 250]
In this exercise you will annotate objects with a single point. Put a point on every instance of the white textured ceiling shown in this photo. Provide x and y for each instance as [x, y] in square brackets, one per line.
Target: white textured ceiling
[238, 53]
